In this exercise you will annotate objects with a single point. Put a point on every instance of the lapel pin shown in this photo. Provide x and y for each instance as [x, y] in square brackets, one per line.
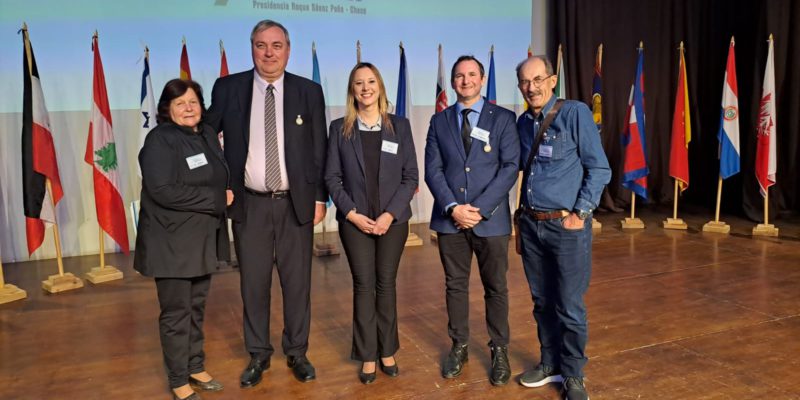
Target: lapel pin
[299, 120]
[487, 148]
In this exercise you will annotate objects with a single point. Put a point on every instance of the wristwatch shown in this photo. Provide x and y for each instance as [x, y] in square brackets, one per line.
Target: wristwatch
[583, 214]
[449, 211]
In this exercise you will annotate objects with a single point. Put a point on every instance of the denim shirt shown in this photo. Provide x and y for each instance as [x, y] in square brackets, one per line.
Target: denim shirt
[570, 169]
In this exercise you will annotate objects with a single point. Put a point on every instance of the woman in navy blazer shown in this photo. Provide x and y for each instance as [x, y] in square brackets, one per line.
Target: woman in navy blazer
[371, 174]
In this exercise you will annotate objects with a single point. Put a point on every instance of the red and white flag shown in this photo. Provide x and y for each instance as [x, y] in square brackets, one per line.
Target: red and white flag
[767, 122]
[101, 154]
[223, 61]
[441, 85]
[39, 163]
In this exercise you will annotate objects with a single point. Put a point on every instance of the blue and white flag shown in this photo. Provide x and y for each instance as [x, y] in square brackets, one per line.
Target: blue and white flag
[147, 102]
[728, 134]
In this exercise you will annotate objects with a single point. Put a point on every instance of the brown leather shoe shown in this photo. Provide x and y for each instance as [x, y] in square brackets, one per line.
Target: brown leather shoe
[210, 386]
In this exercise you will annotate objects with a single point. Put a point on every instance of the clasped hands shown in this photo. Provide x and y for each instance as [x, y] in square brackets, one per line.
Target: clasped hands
[365, 224]
[466, 216]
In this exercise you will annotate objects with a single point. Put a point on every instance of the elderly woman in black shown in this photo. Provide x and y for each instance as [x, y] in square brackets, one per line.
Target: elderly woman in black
[182, 230]
[372, 175]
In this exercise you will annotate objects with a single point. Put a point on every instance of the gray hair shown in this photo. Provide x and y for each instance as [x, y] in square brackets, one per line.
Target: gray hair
[548, 66]
[266, 24]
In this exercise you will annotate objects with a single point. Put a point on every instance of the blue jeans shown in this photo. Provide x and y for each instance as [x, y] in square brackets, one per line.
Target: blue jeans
[558, 265]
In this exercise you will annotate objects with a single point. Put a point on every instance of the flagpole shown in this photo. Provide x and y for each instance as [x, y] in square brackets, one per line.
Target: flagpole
[632, 222]
[221, 48]
[64, 280]
[358, 51]
[716, 225]
[9, 292]
[766, 229]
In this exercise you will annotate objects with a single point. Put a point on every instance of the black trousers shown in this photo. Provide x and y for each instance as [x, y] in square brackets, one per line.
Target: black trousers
[270, 232]
[373, 263]
[456, 251]
[183, 303]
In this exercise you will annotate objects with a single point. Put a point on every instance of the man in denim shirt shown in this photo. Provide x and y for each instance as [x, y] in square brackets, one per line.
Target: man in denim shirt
[562, 188]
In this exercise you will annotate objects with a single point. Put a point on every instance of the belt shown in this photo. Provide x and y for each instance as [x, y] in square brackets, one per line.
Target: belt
[278, 194]
[546, 215]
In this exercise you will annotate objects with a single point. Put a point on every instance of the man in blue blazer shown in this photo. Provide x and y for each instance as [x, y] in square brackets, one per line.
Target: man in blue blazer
[471, 163]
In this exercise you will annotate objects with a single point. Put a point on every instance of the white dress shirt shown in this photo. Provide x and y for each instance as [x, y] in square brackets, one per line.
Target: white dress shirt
[255, 167]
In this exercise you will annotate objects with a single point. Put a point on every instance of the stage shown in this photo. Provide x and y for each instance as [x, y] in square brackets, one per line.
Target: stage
[672, 315]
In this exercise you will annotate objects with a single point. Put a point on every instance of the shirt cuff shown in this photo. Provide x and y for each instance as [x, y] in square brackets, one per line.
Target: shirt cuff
[447, 207]
[583, 205]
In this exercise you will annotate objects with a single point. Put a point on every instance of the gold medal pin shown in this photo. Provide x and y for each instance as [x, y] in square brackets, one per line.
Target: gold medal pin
[299, 120]
[487, 148]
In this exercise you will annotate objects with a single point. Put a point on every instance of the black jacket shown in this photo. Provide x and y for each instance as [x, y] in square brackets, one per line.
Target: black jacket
[182, 229]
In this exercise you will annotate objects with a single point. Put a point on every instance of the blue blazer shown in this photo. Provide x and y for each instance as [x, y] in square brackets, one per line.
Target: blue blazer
[480, 178]
[346, 180]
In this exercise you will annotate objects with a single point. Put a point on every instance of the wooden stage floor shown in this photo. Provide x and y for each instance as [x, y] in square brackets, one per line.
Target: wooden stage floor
[672, 315]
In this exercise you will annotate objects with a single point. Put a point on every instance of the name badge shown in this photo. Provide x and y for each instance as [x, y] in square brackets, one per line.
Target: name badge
[197, 160]
[480, 134]
[389, 147]
[545, 151]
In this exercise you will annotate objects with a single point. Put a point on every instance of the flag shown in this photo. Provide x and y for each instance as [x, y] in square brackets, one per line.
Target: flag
[597, 89]
[223, 61]
[186, 72]
[147, 103]
[525, 102]
[681, 129]
[561, 82]
[766, 164]
[634, 170]
[401, 105]
[491, 88]
[728, 134]
[101, 154]
[315, 76]
[39, 162]
[441, 85]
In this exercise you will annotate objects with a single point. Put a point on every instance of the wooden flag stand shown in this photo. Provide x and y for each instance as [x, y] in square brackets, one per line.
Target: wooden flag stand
[675, 222]
[413, 239]
[9, 292]
[632, 222]
[716, 225]
[103, 273]
[765, 229]
[64, 280]
[323, 248]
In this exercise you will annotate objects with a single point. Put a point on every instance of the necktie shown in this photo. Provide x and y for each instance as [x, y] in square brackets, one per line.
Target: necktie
[466, 129]
[272, 162]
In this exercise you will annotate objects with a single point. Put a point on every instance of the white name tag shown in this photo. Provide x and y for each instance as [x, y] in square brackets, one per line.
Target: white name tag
[389, 147]
[480, 134]
[545, 151]
[197, 160]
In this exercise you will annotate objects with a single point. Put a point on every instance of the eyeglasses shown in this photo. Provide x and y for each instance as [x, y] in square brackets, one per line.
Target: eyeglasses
[536, 81]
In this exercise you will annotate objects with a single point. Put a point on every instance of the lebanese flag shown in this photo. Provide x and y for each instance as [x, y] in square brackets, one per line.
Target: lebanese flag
[681, 130]
[186, 72]
[101, 154]
[441, 85]
[634, 170]
[223, 62]
[39, 162]
[767, 122]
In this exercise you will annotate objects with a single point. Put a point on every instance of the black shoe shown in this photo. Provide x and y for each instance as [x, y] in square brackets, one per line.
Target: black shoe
[574, 389]
[210, 386]
[302, 368]
[366, 377]
[501, 371]
[459, 354]
[193, 396]
[251, 375]
[391, 370]
[540, 376]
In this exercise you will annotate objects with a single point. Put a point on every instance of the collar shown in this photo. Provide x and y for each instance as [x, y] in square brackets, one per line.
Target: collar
[544, 111]
[477, 107]
[261, 84]
[363, 126]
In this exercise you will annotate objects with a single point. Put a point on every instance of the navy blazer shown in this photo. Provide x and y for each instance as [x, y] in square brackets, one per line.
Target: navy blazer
[346, 179]
[304, 137]
[480, 178]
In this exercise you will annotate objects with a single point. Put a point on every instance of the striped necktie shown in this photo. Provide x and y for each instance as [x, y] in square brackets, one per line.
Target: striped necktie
[272, 162]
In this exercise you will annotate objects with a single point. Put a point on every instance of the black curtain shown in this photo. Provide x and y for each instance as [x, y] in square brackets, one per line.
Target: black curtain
[705, 27]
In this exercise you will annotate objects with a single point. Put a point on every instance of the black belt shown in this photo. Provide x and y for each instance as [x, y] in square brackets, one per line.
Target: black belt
[278, 194]
[546, 215]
